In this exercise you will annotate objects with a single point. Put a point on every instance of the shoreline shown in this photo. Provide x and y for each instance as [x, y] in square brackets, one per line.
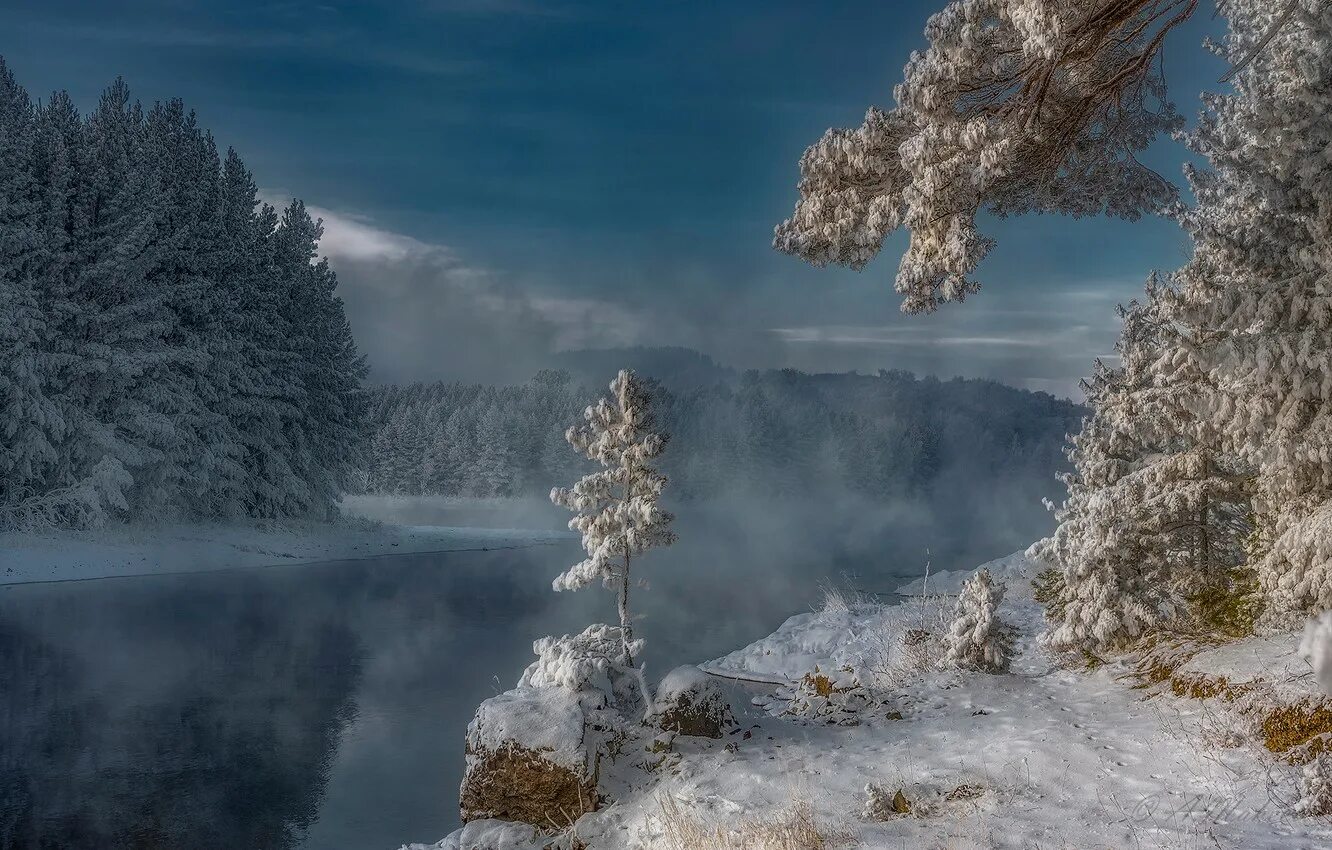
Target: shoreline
[186, 548]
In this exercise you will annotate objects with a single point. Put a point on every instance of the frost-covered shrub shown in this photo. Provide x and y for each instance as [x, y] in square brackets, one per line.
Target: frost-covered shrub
[977, 638]
[1316, 787]
[593, 660]
[1316, 648]
[894, 656]
[90, 503]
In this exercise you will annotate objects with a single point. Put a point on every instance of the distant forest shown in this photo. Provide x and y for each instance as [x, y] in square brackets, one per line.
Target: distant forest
[168, 345]
[775, 433]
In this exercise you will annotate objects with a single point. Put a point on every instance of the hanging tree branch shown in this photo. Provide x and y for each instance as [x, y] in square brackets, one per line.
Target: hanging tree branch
[1016, 106]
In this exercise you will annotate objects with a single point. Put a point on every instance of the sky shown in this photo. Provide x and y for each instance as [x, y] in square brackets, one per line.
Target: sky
[501, 179]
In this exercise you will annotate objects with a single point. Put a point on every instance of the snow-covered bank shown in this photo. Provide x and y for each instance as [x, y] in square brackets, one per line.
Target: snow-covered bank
[137, 550]
[1045, 755]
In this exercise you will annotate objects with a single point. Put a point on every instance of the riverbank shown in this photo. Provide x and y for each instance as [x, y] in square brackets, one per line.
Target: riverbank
[868, 744]
[122, 551]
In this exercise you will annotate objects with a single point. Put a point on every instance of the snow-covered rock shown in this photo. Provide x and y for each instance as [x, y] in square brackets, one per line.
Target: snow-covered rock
[488, 834]
[689, 702]
[528, 756]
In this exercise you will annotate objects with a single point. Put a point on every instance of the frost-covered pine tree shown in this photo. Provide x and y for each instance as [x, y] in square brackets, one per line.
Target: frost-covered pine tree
[1154, 520]
[1256, 287]
[617, 506]
[1019, 105]
[29, 421]
[977, 638]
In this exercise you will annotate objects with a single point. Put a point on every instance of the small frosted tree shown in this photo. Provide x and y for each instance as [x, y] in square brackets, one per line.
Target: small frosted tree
[978, 639]
[617, 506]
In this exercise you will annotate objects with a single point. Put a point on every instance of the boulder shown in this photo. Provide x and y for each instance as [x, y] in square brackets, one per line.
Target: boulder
[529, 759]
[690, 702]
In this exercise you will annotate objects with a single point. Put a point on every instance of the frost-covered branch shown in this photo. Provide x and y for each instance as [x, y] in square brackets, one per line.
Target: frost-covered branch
[1016, 106]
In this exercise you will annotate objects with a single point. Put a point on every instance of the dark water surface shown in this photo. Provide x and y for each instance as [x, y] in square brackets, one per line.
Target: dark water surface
[313, 707]
[321, 707]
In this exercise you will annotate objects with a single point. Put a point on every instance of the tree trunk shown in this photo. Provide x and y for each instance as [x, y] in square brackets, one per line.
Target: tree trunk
[626, 631]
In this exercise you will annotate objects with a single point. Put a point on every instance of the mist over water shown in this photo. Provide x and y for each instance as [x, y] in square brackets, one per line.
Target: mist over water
[325, 707]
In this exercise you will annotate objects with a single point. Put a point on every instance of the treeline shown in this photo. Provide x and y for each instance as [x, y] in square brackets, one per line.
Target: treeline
[168, 345]
[774, 433]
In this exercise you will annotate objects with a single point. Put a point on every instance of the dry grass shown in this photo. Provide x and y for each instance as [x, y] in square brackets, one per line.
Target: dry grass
[893, 659]
[793, 828]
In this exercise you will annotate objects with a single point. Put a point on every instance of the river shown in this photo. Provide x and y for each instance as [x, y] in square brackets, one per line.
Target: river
[320, 707]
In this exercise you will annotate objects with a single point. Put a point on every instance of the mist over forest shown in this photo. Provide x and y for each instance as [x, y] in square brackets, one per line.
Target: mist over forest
[867, 460]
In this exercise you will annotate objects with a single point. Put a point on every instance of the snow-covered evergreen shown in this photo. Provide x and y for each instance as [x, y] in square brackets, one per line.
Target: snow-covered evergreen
[978, 639]
[1153, 517]
[1256, 289]
[617, 506]
[1221, 431]
[168, 346]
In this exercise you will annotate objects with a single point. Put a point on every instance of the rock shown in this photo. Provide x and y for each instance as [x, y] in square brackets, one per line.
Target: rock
[662, 743]
[901, 805]
[529, 759]
[689, 702]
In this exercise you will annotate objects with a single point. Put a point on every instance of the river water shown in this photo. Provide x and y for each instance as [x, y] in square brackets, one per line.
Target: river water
[320, 707]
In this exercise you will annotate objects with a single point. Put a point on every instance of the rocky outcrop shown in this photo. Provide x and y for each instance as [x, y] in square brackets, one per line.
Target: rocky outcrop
[529, 759]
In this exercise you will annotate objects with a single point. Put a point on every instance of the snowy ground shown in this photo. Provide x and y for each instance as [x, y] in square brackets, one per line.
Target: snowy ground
[130, 551]
[1050, 757]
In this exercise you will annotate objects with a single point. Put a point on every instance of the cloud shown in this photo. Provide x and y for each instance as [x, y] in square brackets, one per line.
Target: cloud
[353, 238]
[912, 336]
[421, 312]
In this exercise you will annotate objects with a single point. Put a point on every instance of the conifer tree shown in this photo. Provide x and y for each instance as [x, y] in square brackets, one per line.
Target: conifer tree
[1255, 290]
[977, 638]
[1154, 518]
[167, 346]
[617, 507]
[28, 419]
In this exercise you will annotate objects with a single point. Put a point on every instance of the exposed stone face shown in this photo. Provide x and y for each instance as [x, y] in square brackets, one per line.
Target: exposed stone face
[528, 759]
[689, 702]
[515, 783]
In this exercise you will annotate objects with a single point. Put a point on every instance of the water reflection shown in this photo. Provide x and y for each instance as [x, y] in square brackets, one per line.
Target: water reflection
[148, 714]
[322, 707]
[305, 707]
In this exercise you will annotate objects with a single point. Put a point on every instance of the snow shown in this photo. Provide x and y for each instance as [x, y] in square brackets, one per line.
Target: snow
[549, 720]
[155, 550]
[1042, 756]
[1272, 658]
[488, 834]
[685, 679]
[1009, 567]
[1316, 649]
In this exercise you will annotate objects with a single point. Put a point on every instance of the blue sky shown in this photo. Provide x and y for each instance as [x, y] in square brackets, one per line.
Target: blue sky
[506, 177]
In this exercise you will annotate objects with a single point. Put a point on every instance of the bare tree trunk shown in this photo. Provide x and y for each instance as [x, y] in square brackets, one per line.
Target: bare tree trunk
[626, 631]
[1204, 538]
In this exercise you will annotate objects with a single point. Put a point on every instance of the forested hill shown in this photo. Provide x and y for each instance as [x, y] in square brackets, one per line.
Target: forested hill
[771, 433]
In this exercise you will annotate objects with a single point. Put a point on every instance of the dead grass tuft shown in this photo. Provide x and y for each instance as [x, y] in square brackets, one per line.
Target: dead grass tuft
[793, 828]
[1301, 730]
